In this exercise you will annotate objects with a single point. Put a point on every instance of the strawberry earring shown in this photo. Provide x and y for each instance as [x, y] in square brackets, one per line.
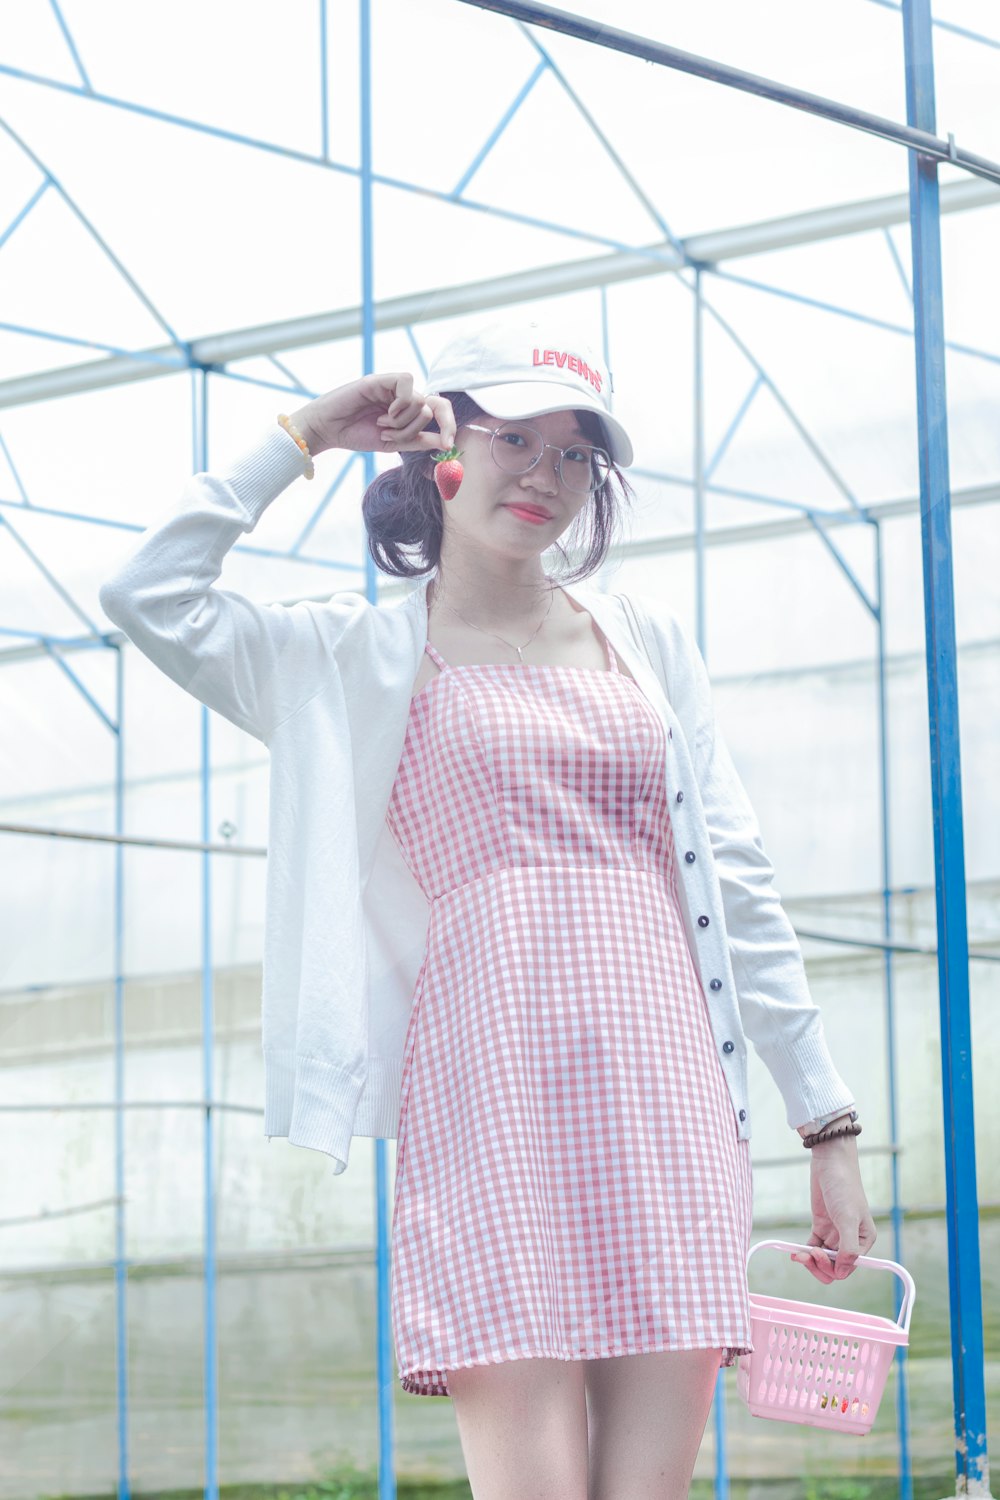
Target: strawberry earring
[448, 473]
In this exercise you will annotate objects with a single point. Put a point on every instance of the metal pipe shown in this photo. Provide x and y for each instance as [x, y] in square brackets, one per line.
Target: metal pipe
[210, 1318]
[711, 248]
[191, 846]
[385, 1374]
[916, 140]
[888, 968]
[964, 1276]
[118, 1165]
[721, 1486]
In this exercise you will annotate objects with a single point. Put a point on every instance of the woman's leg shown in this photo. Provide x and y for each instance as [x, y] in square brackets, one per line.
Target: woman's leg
[523, 1429]
[646, 1418]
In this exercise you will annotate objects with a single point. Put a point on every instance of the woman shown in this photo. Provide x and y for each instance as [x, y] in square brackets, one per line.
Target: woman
[519, 915]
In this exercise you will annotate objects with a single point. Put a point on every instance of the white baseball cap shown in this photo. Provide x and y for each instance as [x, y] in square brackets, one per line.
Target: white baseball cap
[524, 368]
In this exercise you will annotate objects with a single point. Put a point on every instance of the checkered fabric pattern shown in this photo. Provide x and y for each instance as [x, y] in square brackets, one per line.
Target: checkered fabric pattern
[569, 1179]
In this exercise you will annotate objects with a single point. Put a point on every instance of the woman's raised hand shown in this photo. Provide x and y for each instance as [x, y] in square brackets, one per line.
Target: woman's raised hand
[378, 413]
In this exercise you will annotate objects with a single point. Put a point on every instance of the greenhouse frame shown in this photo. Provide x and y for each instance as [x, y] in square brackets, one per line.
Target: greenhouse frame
[176, 276]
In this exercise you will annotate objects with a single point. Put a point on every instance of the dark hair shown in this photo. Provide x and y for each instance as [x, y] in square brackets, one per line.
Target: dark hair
[401, 507]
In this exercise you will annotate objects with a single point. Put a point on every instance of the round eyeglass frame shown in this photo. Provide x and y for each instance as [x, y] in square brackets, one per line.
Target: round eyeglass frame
[514, 422]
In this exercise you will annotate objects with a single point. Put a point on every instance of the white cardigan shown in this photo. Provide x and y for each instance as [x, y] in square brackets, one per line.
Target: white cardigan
[327, 687]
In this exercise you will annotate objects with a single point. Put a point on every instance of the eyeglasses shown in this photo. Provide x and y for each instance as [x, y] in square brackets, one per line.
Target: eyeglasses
[516, 448]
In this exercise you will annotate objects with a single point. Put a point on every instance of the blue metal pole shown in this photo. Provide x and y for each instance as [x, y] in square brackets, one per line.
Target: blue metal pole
[367, 254]
[385, 1359]
[210, 1327]
[971, 1458]
[698, 466]
[121, 1274]
[324, 84]
[699, 462]
[888, 962]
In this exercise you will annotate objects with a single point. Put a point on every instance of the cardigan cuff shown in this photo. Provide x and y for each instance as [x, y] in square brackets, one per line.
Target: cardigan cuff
[260, 474]
[311, 1103]
[811, 1126]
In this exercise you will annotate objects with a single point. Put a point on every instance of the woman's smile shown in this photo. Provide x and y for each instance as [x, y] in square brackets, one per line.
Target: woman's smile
[524, 514]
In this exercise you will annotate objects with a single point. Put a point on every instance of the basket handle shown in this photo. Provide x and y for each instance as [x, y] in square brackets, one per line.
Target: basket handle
[910, 1291]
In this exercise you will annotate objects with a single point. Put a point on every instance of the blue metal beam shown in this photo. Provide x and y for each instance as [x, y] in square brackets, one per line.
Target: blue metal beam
[972, 36]
[47, 574]
[891, 1051]
[850, 312]
[699, 477]
[606, 344]
[882, 324]
[870, 604]
[294, 383]
[169, 363]
[45, 638]
[23, 213]
[377, 178]
[210, 1326]
[968, 1381]
[418, 352]
[898, 263]
[733, 492]
[619, 163]
[699, 484]
[701, 473]
[324, 84]
[282, 553]
[295, 550]
[80, 686]
[121, 1246]
[68, 38]
[385, 1373]
[92, 230]
[731, 431]
[25, 502]
[497, 132]
[825, 463]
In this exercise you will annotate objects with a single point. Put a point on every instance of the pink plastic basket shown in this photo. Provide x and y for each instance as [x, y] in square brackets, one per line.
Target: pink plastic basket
[820, 1365]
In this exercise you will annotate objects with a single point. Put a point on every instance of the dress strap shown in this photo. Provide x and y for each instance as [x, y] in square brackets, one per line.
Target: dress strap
[436, 656]
[613, 663]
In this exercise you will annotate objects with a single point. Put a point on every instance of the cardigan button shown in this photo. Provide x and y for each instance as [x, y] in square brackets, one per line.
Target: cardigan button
[728, 1046]
[716, 984]
[680, 796]
[702, 921]
[743, 1114]
[689, 856]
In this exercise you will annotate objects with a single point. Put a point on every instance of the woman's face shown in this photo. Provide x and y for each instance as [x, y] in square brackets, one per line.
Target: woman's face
[484, 511]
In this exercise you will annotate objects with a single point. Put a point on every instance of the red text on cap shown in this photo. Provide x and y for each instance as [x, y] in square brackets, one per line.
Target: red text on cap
[561, 357]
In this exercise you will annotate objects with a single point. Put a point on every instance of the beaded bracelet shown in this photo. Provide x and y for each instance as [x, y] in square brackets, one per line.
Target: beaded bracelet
[828, 1134]
[294, 433]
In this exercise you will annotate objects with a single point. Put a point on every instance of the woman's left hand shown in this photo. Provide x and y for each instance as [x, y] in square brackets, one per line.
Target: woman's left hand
[841, 1217]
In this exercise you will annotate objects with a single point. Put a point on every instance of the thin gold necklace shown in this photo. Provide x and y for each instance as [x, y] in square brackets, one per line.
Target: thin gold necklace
[518, 649]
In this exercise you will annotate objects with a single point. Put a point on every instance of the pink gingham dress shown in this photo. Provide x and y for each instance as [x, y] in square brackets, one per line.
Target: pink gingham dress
[569, 1182]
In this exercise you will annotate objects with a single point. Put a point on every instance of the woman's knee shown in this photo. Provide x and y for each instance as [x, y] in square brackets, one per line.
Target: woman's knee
[523, 1428]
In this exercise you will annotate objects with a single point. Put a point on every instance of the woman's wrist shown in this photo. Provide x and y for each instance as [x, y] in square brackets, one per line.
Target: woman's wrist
[301, 419]
[836, 1146]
